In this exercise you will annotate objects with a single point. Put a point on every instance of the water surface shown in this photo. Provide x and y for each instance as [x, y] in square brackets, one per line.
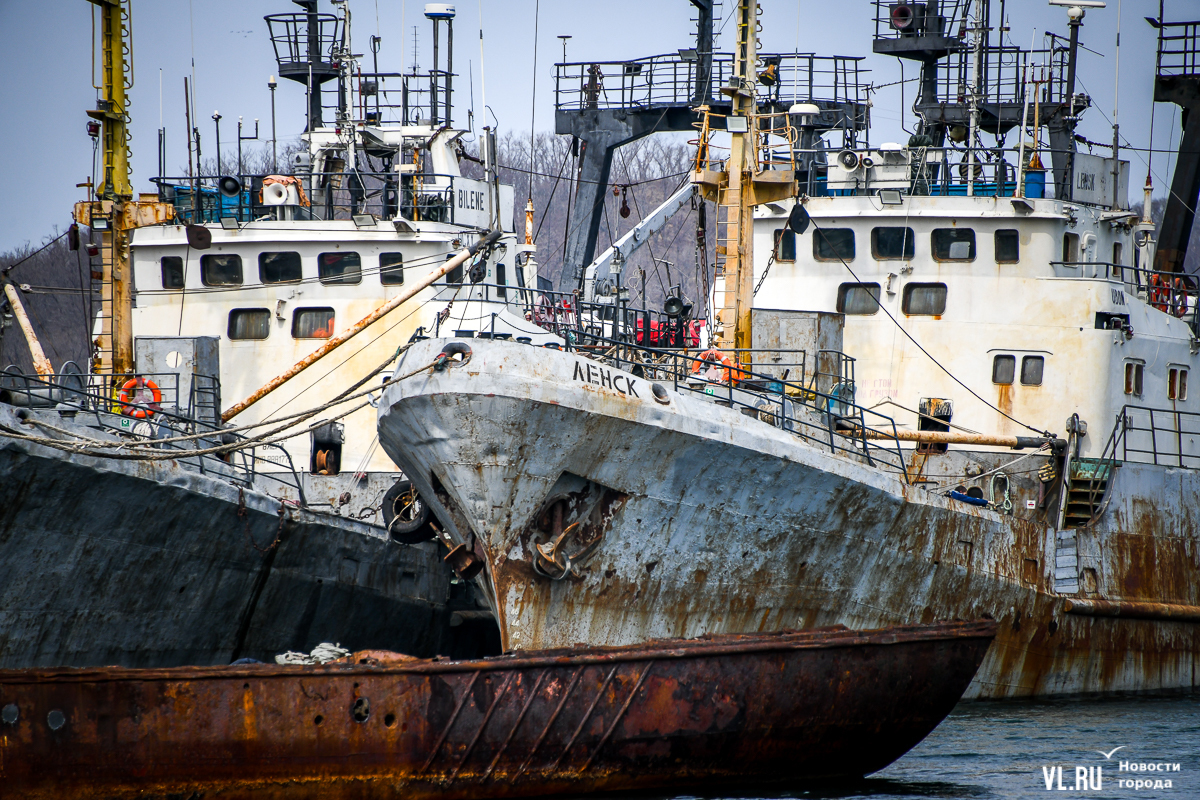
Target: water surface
[999, 750]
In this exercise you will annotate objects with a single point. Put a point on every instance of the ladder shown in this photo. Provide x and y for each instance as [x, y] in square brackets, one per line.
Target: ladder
[1086, 487]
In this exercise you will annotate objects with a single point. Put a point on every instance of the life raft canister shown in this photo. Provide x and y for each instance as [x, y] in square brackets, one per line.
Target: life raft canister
[139, 396]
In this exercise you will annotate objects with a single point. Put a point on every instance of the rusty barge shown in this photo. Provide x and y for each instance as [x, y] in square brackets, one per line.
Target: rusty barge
[723, 711]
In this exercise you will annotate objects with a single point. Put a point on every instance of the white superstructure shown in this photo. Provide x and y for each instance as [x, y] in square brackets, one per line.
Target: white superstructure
[375, 202]
[1039, 308]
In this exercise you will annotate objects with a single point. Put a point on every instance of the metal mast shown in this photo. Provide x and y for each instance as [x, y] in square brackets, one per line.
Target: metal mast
[115, 343]
[736, 209]
[114, 214]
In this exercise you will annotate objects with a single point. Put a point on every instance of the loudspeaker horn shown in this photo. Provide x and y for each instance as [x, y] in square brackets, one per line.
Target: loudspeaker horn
[229, 186]
[848, 159]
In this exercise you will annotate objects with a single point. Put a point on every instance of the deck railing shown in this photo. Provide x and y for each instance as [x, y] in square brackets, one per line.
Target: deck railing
[669, 81]
[810, 395]
[96, 401]
[331, 194]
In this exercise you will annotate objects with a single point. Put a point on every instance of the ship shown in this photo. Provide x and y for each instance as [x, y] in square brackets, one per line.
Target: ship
[187, 499]
[946, 381]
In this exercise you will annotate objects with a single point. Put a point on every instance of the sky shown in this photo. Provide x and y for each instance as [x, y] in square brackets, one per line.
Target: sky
[224, 44]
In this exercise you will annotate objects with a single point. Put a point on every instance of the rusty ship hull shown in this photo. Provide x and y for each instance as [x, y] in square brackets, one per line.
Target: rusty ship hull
[694, 518]
[724, 711]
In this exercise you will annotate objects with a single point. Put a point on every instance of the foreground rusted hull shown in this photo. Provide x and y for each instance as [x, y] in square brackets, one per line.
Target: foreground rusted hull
[671, 714]
[693, 518]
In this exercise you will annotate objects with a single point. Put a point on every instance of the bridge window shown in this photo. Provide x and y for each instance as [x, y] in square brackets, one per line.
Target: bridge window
[1031, 370]
[1008, 247]
[339, 268]
[312, 323]
[833, 244]
[785, 244]
[1177, 383]
[391, 269]
[1004, 369]
[858, 298]
[925, 299]
[1134, 372]
[279, 267]
[221, 269]
[889, 243]
[953, 244]
[172, 272]
[249, 323]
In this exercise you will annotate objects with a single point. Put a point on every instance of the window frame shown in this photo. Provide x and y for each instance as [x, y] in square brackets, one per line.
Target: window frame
[340, 280]
[1029, 359]
[1177, 380]
[391, 269]
[332, 319]
[844, 291]
[782, 235]
[455, 275]
[205, 261]
[1012, 362]
[299, 263]
[1135, 378]
[162, 267]
[933, 245]
[1016, 234]
[1070, 248]
[906, 299]
[265, 312]
[908, 244]
[818, 237]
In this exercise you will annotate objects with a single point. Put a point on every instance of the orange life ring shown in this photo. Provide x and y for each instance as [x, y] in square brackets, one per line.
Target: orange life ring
[126, 398]
[1160, 294]
[711, 356]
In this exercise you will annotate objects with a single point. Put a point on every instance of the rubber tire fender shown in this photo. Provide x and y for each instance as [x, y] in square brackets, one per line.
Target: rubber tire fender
[406, 532]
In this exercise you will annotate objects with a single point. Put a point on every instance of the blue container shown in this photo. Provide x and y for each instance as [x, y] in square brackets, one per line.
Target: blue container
[1035, 183]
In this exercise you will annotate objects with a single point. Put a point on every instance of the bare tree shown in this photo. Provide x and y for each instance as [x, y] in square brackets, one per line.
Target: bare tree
[644, 174]
[56, 293]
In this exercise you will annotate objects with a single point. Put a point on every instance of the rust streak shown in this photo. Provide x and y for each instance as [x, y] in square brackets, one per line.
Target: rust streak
[624, 707]
[550, 722]
[520, 717]
[587, 716]
[462, 699]
[492, 707]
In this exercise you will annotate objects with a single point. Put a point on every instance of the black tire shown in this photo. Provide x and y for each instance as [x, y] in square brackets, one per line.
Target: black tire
[405, 514]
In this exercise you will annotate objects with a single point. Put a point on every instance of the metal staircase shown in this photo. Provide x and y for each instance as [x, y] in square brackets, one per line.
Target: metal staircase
[1087, 486]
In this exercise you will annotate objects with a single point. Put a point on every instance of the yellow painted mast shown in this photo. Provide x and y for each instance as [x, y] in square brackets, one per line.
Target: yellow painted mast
[115, 78]
[738, 185]
[113, 211]
[735, 205]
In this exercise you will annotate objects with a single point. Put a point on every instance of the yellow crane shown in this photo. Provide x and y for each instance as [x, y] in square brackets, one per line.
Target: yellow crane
[112, 211]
